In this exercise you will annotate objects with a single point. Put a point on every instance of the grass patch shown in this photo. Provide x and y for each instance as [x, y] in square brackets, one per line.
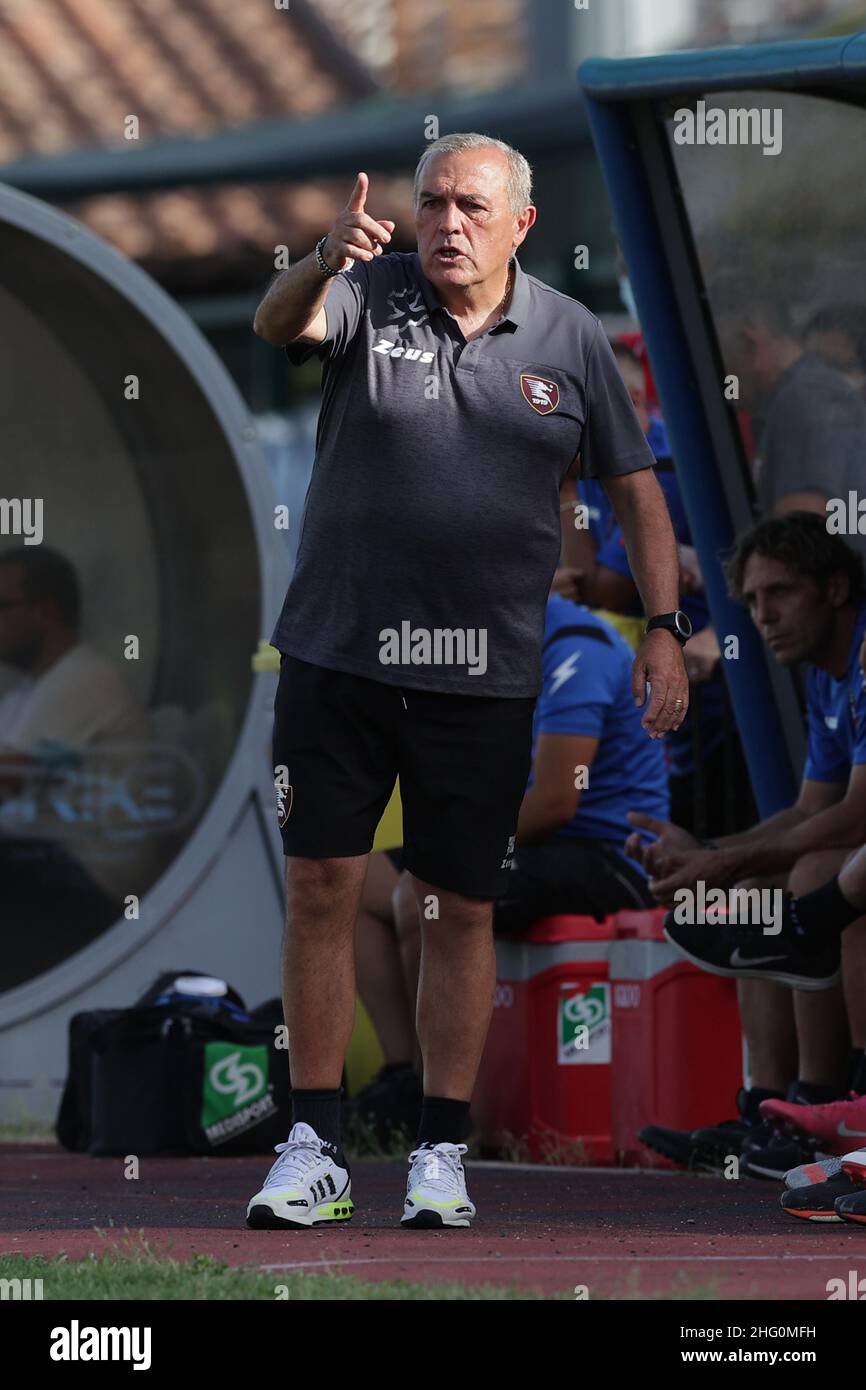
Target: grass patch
[552, 1149]
[364, 1140]
[682, 1290]
[361, 1139]
[143, 1274]
[27, 1131]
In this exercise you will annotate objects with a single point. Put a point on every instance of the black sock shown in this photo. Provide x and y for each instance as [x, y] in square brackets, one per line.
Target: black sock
[823, 912]
[748, 1102]
[812, 1093]
[321, 1111]
[858, 1071]
[443, 1121]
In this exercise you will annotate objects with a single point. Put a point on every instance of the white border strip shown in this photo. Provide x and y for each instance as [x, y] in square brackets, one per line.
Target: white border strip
[506, 1259]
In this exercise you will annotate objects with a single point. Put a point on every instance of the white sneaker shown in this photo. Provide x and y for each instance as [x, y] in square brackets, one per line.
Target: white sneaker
[436, 1189]
[305, 1187]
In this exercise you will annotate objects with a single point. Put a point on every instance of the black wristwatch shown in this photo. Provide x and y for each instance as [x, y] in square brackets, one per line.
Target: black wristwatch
[677, 624]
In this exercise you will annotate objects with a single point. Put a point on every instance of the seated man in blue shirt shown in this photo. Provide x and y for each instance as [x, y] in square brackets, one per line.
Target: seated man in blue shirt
[606, 582]
[806, 593]
[591, 764]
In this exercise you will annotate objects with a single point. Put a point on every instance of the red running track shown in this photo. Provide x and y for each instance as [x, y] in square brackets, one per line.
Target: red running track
[625, 1233]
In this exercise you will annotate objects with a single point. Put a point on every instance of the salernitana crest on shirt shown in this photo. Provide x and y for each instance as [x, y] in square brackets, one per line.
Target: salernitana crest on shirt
[541, 393]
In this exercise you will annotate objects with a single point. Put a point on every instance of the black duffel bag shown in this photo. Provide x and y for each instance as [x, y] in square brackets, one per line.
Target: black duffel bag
[175, 1075]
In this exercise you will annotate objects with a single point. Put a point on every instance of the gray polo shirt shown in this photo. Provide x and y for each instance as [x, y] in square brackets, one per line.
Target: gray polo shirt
[431, 525]
[813, 438]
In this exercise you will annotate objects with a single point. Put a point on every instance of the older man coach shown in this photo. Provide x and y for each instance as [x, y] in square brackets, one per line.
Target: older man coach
[457, 393]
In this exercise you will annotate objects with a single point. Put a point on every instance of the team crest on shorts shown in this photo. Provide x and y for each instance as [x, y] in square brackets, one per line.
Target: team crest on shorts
[284, 804]
[542, 395]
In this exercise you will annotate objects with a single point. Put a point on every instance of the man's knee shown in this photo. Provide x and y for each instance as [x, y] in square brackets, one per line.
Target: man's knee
[324, 886]
[441, 905]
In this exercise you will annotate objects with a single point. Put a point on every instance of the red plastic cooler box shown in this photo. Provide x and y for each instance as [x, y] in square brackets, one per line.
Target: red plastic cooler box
[677, 1049]
[546, 1071]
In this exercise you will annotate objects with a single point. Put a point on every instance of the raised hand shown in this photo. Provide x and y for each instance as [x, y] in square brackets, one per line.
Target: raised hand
[356, 236]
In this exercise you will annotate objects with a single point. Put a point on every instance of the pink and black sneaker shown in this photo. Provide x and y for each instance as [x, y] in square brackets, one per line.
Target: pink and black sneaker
[833, 1126]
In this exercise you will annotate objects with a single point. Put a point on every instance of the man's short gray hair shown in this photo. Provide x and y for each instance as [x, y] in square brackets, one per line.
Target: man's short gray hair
[519, 172]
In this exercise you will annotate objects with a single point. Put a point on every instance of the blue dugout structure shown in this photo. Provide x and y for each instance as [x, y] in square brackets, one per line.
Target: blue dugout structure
[630, 104]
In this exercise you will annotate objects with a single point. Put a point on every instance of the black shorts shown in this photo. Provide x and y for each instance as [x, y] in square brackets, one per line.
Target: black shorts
[586, 877]
[395, 857]
[463, 763]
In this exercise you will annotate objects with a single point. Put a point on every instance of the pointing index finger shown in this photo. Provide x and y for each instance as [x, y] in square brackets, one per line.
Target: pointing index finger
[359, 193]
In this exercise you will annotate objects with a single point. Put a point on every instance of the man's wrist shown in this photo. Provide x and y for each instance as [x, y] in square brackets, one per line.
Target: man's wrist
[664, 632]
[676, 622]
[321, 254]
[730, 863]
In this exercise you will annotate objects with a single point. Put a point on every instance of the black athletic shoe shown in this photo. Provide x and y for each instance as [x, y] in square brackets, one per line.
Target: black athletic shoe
[675, 1144]
[708, 1147]
[731, 1136]
[851, 1206]
[748, 952]
[770, 1151]
[775, 1157]
[817, 1202]
[387, 1109]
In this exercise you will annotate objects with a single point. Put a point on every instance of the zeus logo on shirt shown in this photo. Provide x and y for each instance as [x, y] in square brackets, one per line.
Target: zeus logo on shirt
[410, 354]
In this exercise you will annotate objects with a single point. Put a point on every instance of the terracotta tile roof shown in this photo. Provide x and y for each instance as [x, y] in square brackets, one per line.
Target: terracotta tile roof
[190, 239]
[73, 71]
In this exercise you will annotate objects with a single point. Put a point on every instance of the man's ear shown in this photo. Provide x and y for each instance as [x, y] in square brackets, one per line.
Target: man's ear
[838, 589]
[522, 224]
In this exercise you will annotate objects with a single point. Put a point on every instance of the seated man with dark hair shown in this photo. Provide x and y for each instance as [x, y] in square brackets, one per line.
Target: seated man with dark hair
[804, 589]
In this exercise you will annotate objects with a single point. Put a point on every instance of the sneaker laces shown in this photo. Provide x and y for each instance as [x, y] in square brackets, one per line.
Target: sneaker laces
[297, 1158]
[441, 1166]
